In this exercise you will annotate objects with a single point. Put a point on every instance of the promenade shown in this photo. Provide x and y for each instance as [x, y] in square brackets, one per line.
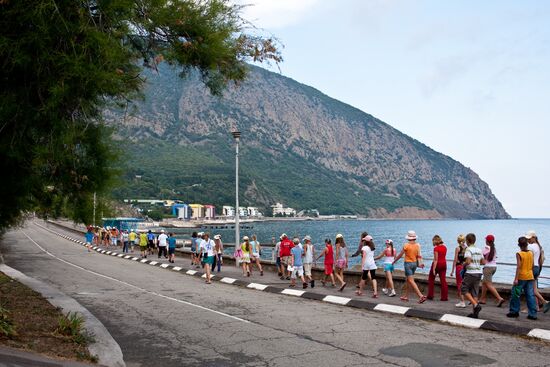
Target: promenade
[493, 317]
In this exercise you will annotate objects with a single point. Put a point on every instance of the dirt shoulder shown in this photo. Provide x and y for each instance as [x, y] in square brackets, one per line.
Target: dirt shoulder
[36, 324]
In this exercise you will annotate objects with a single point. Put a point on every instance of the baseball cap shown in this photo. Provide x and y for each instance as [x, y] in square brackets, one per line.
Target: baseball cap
[367, 238]
[530, 234]
[490, 238]
[307, 238]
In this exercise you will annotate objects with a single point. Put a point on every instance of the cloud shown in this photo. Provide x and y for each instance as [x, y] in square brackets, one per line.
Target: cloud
[273, 14]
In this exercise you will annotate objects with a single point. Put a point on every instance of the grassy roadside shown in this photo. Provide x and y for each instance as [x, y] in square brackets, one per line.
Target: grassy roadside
[30, 322]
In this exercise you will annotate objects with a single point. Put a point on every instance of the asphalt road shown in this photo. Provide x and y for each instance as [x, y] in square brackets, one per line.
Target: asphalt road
[165, 318]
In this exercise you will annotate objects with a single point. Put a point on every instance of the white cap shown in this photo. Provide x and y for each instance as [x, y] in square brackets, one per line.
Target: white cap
[217, 237]
[162, 231]
[339, 235]
[530, 234]
[367, 238]
[245, 238]
[307, 238]
[411, 235]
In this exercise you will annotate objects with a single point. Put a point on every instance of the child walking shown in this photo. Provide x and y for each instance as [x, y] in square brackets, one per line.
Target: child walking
[388, 254]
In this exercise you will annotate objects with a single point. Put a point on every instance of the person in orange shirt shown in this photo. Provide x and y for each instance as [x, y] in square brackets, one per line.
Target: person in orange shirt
[413, 259]
[523, 282]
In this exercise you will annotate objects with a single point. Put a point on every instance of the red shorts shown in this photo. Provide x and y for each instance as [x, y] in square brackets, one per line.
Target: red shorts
[328, 269]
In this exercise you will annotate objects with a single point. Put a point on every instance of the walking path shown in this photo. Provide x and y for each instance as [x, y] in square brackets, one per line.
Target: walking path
[491, 317]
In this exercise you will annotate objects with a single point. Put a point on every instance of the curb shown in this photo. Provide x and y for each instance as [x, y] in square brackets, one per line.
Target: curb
[542, 334]
[104, 346]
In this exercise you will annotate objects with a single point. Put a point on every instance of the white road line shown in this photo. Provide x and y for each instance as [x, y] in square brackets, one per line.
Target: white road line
[136, 287]
[293, 292]
[153, 263]
[127, 256]
[257, 286]
[176, 268]
[462, 321]
[540, 333]
[144, 261]
[228, 280]
[391, 308]
[337, 300]
[165, 266]
[190, 272]
[120, 255]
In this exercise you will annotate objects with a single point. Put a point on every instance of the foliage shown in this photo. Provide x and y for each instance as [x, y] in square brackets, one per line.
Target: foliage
[6, 326]
[72, 325]
[63, 61]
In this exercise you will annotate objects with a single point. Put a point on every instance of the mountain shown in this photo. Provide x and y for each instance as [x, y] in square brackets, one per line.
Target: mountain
[298, 146]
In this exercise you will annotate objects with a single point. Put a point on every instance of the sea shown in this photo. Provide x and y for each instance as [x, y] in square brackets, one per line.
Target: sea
[506, 234]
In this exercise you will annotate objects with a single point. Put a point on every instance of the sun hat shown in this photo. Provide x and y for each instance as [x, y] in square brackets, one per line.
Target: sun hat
[339, 235]
[411, 235]
[367, 238]
[490, 238]
[388, 241]
[245, 238]
[217, 237]
[284, 235]
[530, 234]
[162, 231]
[307, 238]
[296, 240]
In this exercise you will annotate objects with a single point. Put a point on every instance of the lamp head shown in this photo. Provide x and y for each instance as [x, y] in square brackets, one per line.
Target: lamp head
[236, 134]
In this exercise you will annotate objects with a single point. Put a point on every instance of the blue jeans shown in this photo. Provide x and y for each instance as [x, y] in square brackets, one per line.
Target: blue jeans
[528, 290]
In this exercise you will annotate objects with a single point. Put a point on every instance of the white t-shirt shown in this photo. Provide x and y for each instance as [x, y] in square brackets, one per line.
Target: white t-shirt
[207, 247]
[162, 240]
[473, 253]
[369, 264]
[535, 249]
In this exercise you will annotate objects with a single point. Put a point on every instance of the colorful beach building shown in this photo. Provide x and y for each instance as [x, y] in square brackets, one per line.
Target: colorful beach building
[197, 211]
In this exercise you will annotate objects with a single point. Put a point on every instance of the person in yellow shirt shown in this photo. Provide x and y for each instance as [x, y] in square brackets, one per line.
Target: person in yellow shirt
[143, 244]
[523, 281]
[132, 238]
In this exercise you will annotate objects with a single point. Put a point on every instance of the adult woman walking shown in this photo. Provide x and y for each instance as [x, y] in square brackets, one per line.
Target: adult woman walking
[368, 265]
[245, 259]
[439, 267]
[458, 265]
[341, 259]
[389, 255]
[207, 251]
[489, 269]
[413, 259]
[538, 260]
[328, 253]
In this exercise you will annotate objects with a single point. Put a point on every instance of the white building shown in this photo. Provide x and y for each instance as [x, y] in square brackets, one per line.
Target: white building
[228, 211]
[243, 212]
[279, 209]
[253, 212]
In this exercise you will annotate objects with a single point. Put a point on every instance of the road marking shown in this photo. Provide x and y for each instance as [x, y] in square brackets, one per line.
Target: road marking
[337, 300]
[176, 268]
[153, 263]
[540, 333]
[165, 266]
[257, 286]
[127, 257]
[391, 308]
[114, 254]
[462, 321]
[108, 252]
[144, 261]
[120, 255]
[228, 280]
[135, 258]
[190, 272]
[136, 287]
[293, 292]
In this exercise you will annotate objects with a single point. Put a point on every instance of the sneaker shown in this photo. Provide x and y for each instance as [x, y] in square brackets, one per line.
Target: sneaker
[282, 277]
[392, 293]
[385, 290]
[287, 278]
[531, 317]
[304, 285]
[460, 305]
[473, 316]
[477, 309]
[512, 314]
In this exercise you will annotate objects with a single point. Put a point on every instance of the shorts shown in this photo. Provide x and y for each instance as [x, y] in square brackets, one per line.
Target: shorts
[208, 260]
[470, 284]
[365, 274]
[328, 269]
[410, 268]
[151, 244]
[278, 261]
[307, 269]
[298, 270]
[255, 255]
[113, 241]
[285, 260]
[171, 250]
[143, 248]
[245, 259]
[488, 272]
[193, 249]
[536, 272]
[341, 263]
[136, 242]
[388, 267]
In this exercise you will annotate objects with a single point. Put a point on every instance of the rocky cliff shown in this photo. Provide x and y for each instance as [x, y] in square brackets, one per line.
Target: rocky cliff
[299, 147]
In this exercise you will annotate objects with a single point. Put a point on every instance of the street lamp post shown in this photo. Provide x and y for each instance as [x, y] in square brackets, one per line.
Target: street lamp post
[237, 136]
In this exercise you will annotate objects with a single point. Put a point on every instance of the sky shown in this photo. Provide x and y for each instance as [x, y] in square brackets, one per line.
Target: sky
[471, 79]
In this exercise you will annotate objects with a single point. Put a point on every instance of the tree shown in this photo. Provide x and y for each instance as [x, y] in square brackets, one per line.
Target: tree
[64, 61]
